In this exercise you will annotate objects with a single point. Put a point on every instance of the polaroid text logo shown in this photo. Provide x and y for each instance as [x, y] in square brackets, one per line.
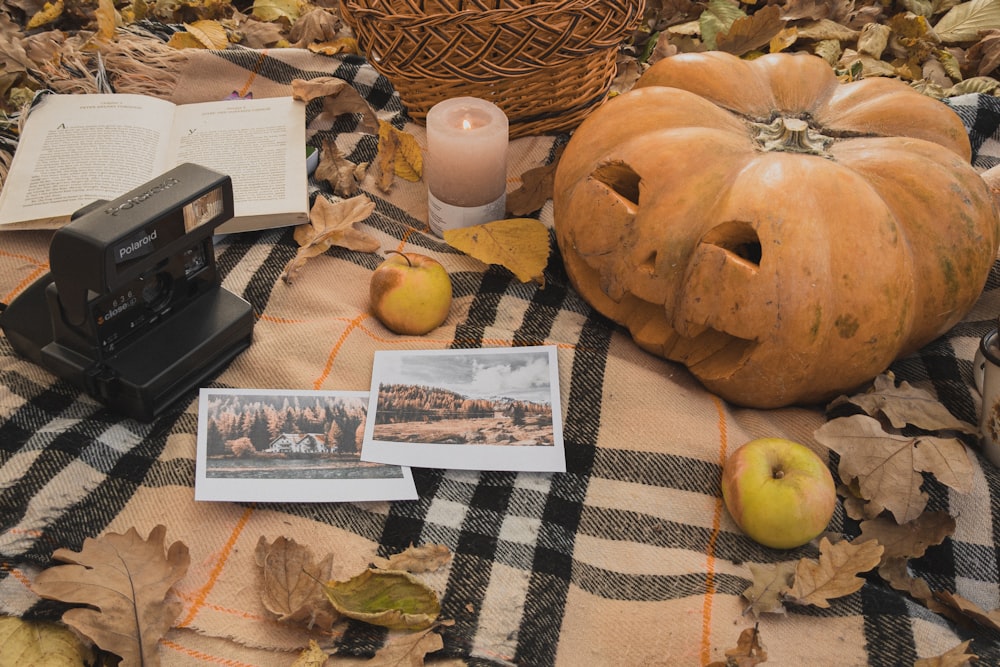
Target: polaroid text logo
[139, 247]
[140, 198]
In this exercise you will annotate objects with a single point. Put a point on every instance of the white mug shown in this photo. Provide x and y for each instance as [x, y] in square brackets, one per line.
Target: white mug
[986, 373]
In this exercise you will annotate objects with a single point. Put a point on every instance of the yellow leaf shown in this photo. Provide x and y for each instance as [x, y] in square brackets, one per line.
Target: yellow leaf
[34, 644]
[185, 40]
[314, 656]
[210, 33]
[409, 158]
[332, 48]
[105, 16]
[518, 244]
[49, 12]
[390, 598]
[275, 10]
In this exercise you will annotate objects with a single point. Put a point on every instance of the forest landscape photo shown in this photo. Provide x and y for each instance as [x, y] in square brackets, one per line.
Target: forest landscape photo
[287, 436]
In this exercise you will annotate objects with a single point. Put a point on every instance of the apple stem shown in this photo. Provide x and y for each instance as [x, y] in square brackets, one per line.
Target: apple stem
[778, 473]
[403, 255]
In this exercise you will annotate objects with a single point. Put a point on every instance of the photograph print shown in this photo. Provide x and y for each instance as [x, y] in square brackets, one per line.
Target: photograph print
[289, 446]
[480, 409]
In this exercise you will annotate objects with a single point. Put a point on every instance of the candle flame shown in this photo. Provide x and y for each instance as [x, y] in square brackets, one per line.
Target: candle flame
[466, 125]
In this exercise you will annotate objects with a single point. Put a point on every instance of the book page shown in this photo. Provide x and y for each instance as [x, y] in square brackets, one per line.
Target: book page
[78, 148]
[260, 143]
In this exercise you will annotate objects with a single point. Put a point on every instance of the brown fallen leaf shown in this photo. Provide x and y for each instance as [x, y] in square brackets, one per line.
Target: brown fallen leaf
[536, 188]
[954, 657]
[339, 98]
[520, 245]
[425, 558]
[343, 176]
[969, 610]
[888, 466]
[833, 575]
[749, 651]
[390, 598]
[399, 154]
[751, 32]
[408, 650]
[312, 656]
[906, 405]
[770, 582]
[909, 540]
[292, 582]
[331, 224]
[124, 581]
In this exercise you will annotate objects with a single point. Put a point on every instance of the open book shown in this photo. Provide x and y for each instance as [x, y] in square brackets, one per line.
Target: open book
[79, 148]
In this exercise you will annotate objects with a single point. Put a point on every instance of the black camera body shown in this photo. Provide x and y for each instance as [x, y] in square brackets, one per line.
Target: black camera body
[132, 310]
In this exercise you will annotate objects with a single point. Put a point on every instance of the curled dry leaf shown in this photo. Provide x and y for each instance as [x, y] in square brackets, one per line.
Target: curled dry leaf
[834, 574]
[123, 580]
[331, 224]
[425, 558]
[906, 405]
[520, 245]
[390, 598]
[954, 657]
[536, 188]
[339, 98]
[37, 643]
[312, 656]
[292, 582]
[344, 176]
[749, 651]
[969, 611]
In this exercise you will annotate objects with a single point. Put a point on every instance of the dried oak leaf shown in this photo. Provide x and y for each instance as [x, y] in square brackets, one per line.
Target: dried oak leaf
[389, 598]
[518, 244]
[770, 582]
[37, 643]
[888, 467]
[536, 188]
[833, 575]
[966, 20]
[906, 405]
[751, 32]
[969, 610]
[123, 580]
[954, 657]
[749, 651]
[292, 582]
[343, 176]
[316, 25]
[425, 558]
[339, 98]
[331, 224]
[909, 540]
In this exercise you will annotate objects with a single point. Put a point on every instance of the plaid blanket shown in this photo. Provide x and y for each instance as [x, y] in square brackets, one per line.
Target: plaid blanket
[628, 558]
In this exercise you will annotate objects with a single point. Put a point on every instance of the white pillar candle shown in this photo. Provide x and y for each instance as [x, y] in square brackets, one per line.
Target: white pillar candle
[466, 163]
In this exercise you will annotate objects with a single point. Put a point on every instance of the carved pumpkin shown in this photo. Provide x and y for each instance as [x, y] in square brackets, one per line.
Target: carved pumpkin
[782, 234]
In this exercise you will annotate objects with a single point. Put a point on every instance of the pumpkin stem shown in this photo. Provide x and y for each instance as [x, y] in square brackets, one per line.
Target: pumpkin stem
[791, 135]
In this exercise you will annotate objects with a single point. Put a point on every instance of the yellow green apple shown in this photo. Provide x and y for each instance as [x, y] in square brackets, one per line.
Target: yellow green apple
[779, 492]
[410, 293]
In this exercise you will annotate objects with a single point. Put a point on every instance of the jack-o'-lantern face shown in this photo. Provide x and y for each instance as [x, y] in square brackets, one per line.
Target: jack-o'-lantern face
[782, 234]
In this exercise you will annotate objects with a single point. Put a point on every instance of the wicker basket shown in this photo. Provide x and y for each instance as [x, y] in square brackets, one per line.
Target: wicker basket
[546, 64]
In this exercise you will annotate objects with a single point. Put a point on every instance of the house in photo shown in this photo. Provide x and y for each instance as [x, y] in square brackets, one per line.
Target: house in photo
[298, 443]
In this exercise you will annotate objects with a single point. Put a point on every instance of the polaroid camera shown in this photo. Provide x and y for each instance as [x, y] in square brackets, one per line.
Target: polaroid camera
[132, 310]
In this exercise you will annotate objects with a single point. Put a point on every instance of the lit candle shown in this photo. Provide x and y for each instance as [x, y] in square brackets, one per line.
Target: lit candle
[466, 163]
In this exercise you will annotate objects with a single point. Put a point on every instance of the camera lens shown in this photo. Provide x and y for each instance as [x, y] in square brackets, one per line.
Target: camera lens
[156, 290]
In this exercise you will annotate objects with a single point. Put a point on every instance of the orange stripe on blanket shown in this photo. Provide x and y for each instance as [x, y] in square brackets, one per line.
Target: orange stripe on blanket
[328, 367]
[28, 280]
[199, 599]
[201, 656]
[253, 74]
[706, 610]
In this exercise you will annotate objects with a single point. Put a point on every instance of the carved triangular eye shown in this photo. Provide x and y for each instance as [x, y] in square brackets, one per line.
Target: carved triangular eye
[738, 238]
[621, 178]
